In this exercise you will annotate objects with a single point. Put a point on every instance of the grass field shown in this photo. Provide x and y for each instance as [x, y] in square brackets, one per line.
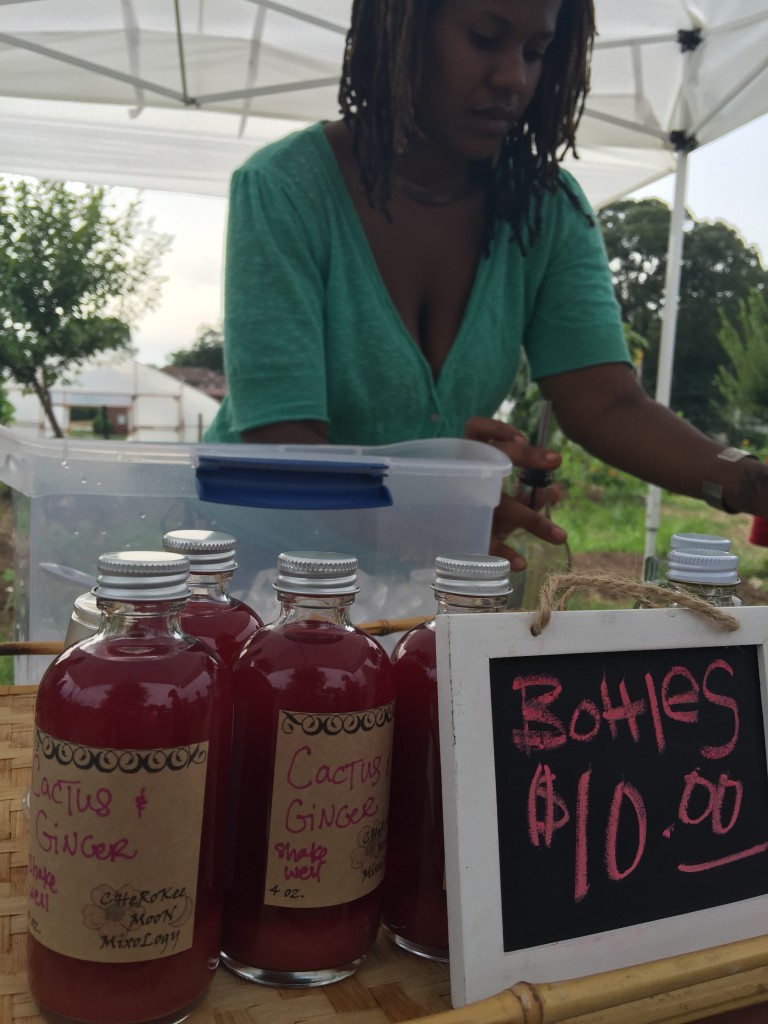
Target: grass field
[607, 534]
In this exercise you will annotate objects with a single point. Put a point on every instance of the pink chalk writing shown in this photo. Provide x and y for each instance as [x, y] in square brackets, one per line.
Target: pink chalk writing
[677, 698]
[714, 798]
[581, 885]
[718, 803]
[722, 700]
[753, 851]
[624, 791]
[542, 790]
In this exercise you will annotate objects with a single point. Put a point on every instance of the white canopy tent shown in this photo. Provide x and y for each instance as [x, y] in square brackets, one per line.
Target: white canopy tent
[174, 95]
[164, 95]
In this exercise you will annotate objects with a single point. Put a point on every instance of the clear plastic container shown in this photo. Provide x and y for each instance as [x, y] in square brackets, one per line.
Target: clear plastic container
[396, 507]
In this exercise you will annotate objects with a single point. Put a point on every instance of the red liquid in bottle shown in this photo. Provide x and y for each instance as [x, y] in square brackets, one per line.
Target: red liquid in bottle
[211, 613]
[415, 909]
[225, 625]
[415, 902]
[140, 692]
[304, 666]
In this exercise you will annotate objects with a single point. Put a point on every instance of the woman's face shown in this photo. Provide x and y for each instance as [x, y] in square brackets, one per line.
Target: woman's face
[481, 65]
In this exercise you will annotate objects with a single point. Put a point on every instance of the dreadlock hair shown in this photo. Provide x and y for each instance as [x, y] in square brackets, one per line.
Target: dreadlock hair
[380, 76]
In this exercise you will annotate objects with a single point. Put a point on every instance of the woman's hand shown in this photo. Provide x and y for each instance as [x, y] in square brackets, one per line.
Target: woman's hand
[512, 513]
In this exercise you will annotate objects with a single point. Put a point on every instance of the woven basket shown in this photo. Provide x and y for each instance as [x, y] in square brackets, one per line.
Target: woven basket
[391, 986]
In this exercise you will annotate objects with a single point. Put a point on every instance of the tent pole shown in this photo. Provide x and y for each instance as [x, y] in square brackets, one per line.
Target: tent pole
[667, 345]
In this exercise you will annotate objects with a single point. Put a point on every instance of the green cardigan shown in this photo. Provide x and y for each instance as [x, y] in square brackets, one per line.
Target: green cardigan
[311, 332]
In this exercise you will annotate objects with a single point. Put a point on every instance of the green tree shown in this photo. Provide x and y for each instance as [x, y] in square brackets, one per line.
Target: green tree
[743, 384]
[718, 271]
[6, 409]
[207, 350]
[75, 274]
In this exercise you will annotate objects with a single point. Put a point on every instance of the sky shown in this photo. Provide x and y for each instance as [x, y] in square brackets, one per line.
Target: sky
[726, 181]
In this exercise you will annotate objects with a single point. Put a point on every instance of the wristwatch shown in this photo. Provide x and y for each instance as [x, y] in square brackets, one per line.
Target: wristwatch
[711, 492]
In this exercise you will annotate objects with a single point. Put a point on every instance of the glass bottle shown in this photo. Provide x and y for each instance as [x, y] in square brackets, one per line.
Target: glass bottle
[710, 575]
[128, 808]
[211, 613]
[683, 542]
[541, 557]
[313, 735]
[415, 910]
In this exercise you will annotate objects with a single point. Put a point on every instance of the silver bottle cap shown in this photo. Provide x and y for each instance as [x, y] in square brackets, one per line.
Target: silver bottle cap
[207, 550]
[84, 620]
[142, 576]
[473, 575]
[699, 542]
[316, 572]
[704, 567]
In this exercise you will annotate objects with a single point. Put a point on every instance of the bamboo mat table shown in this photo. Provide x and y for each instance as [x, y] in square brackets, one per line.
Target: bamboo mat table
[391, 986]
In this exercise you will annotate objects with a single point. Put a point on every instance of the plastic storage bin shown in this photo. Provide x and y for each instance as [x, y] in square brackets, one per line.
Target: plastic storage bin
[395, 508]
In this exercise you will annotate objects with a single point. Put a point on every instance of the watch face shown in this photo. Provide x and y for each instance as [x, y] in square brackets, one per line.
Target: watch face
[712, 493]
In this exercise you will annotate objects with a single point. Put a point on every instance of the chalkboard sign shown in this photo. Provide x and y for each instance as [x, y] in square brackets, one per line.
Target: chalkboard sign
[605, 791]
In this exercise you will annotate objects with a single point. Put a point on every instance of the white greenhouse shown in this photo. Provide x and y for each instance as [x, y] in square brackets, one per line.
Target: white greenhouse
[141, 402]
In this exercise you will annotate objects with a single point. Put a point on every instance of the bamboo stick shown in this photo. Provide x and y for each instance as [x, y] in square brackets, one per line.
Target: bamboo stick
[688, 1005]
[676, 990]
[16, 647]
[382, 627]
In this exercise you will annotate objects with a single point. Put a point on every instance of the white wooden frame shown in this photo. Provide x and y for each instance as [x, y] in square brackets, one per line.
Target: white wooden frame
[465, 645]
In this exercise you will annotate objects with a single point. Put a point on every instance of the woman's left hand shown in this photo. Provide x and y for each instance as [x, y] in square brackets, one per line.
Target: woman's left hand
[511, 513]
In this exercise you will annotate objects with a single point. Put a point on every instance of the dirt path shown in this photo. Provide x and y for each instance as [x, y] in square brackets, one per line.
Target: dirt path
[619, 563]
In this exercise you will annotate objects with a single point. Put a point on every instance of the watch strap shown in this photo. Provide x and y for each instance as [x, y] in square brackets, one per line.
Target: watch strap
[712, 492]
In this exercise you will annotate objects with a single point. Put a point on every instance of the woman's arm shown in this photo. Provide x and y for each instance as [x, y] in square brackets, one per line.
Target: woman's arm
[290, 432]
[274, 295]
[604, 409]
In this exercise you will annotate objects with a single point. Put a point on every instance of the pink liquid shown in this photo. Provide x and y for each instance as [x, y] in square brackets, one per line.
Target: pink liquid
[225, 627]
[310, 666]
[414, 895]
[141, 693]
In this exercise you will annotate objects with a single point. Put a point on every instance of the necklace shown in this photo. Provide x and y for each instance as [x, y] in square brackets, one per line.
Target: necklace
[432, 196]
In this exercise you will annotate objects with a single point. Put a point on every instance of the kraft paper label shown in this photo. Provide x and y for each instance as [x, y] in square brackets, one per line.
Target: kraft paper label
[330, 801]
[114, 847]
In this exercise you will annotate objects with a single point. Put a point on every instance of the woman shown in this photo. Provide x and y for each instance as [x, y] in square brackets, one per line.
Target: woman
[384, 269]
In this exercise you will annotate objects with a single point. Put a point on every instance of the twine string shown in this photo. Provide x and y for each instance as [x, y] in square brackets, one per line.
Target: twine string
[558, 588]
